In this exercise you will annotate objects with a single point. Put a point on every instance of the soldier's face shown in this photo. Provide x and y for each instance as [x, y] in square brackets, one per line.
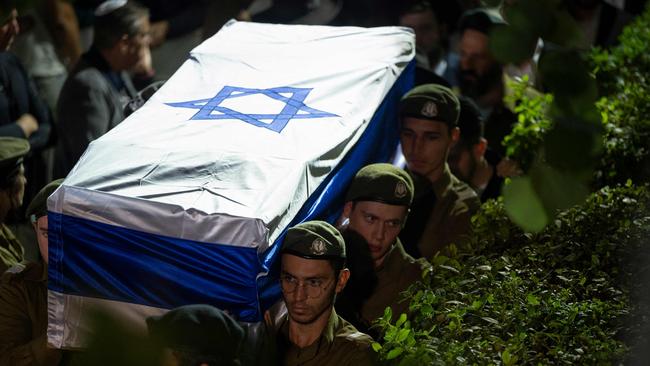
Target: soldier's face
[425, 145]
[40, 226]
[313, 296]
[378, 223]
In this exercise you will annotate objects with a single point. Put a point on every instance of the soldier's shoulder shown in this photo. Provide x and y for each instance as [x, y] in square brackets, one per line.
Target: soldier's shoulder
[466, 199]
[25, 271]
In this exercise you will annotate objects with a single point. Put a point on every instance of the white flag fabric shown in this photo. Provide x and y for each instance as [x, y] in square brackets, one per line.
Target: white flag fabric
[187, 199]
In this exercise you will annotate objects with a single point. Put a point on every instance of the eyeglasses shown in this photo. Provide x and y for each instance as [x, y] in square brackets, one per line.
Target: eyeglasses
[313, 287]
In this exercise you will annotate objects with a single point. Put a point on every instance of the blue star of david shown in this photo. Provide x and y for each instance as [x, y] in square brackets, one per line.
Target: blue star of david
[292, 108]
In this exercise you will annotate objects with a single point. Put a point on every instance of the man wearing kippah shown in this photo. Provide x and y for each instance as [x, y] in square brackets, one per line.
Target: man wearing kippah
[442, 206]
[23, 299]
[377, 205]
[95, 93]
[481, 76]
[313, 272]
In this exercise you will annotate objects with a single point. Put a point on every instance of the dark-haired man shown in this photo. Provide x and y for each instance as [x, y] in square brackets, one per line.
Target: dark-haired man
[470, 159]
[93, 97]
[313, 272]
[377, 205]
[481, 76]
[442, 206]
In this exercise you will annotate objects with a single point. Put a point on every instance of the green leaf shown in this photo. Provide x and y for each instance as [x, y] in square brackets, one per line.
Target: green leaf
[402, 335]
[490, 320]
[394, 353]
[509, 45]
[523, 205]
[376, 346]
[558, 190]
[532, 299]
[401, 320]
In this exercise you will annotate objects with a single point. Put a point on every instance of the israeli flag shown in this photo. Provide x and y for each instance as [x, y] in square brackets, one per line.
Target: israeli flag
[187, 200]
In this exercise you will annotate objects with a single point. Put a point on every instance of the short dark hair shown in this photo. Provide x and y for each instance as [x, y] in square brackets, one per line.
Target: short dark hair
[470, 122]
[125, 20]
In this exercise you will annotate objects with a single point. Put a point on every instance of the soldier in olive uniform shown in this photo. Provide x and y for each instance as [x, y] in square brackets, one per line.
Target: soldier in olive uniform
[12, 190]
[312, 274]
[377, 205]
[23, 299]
[443, 205]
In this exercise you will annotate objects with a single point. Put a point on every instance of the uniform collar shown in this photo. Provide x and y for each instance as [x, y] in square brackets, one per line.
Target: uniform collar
[443, 184]
[391, 261]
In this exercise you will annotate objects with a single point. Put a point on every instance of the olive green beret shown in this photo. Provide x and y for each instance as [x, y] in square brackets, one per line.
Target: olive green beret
[433, 102]
[12, 151]
[201, 329]
[314, 240]
[382, 183]
[38, 206]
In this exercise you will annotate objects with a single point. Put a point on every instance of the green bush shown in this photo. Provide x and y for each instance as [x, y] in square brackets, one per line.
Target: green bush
[623, 78]
[559, 296]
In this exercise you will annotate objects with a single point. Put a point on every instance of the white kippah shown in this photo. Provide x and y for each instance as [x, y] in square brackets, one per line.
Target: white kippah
[108, 6]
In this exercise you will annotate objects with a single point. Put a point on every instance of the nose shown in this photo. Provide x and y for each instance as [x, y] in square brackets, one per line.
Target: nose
[378, 233]
[300, 293]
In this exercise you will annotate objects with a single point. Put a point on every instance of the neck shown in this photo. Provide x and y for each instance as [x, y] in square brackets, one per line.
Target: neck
[483, 174]
[304, 335]
[107, 54]
[436, 174]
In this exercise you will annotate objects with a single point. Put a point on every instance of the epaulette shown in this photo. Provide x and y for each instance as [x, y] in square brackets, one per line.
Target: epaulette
[26, 270]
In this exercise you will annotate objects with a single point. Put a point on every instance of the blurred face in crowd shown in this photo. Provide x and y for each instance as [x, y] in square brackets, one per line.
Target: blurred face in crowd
[425, 145]
[9, 29]
[135, 48]
[309, 287]
[462, 163]
[479, 72]
[378, 223]
[40, 226]
[427, 35]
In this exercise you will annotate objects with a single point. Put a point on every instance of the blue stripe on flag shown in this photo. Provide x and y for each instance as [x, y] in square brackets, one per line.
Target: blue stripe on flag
[377, 144]
[99, 260]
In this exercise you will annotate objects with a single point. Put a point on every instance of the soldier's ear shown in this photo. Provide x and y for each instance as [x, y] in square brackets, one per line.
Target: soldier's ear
[344, 276]
[347, 209]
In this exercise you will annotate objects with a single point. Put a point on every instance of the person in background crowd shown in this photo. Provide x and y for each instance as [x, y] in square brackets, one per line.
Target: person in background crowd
[23, 114]
[23, 299]
[93, 98]
[48, 46]
[480, 75]
[377, 205]
[470, 159]
[431, 54]
[313, 272]
[197, 335]
[12, 191]
[442, 205]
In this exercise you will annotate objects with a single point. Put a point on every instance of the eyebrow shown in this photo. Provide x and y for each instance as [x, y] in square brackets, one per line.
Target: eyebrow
[285, 273]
